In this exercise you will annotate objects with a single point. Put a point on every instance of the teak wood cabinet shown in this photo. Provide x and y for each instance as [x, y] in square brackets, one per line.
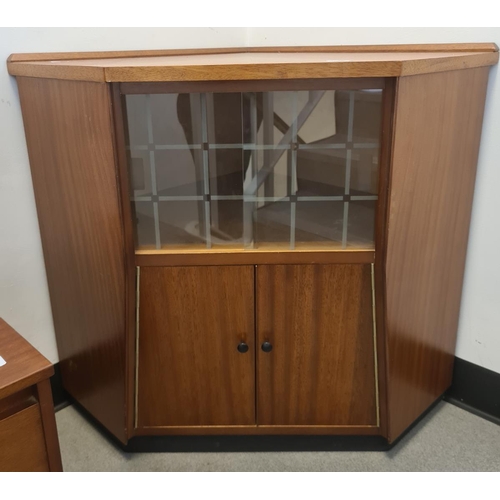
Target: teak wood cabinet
[255, 241]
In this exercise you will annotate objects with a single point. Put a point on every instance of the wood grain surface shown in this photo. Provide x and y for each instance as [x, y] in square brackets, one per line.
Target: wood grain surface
[21, 442]
[68, 129]
[252, 85]
[120, 142]
[321, 368]
[260, 430]
[316, 310]
[18, 401]
[49, 426]
[422, 47]
[436, 143]
[386, 142]
[257, 65]
[24, 366]
[242, 257]
[191, 320]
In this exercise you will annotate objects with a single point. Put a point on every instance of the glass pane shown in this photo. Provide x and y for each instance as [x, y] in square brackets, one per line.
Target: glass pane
[137, 120]
[183, 126]
[321, 172]
[319, 222]
[361, 224]
[145, 225]
[181, 224]
[164, 119]
[361, 111]
[272, 225]
[254, 169]
[358, 117]
[224, 118]
[179, 172]
[226, 222]
[140, 173]
[226, 168]
[364, 171]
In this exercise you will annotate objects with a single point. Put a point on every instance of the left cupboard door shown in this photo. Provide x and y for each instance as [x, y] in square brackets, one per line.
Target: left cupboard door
[196, 362]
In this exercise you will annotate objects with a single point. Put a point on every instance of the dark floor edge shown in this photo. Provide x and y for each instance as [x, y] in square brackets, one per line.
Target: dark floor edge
[264, 443]
[59, 395]
[476, 390]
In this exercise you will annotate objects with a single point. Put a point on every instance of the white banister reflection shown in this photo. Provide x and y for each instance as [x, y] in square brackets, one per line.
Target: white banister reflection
[254, 170]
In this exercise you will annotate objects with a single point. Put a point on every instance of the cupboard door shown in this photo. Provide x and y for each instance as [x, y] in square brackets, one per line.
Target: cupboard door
[191, 322]
[320, 369]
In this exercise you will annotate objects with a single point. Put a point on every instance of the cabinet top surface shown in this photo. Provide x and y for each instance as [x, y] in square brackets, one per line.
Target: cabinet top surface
[263, 63]
[21, 365]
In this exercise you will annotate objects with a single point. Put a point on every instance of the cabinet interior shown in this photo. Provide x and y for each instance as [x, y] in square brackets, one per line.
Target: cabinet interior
[276, 170]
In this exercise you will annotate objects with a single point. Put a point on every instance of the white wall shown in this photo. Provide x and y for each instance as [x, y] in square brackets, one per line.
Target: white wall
[24, 299]
[23, 291]
[479, 329]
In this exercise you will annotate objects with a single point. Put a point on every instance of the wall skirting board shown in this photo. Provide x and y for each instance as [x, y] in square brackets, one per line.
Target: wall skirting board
[475, 389]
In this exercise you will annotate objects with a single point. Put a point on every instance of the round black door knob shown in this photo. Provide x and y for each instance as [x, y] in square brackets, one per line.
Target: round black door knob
[242, 347]
[267, 346]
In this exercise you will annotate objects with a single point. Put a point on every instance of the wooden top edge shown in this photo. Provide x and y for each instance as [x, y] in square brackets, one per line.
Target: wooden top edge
[24, 365]
[434, 47]
[242, 64]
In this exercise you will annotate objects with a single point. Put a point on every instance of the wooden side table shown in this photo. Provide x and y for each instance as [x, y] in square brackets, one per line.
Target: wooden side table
[28, 434]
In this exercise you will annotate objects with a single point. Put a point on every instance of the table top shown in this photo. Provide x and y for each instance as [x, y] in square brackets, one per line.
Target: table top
[254, 63]
[24, 365]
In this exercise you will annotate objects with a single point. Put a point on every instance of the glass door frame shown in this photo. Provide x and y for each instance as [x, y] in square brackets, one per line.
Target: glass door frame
[245, 256]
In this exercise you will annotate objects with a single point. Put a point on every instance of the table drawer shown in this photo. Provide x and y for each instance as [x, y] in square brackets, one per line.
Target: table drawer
[22, 442]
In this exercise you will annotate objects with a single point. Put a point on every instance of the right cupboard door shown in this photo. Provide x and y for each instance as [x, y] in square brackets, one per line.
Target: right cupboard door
[316, 357]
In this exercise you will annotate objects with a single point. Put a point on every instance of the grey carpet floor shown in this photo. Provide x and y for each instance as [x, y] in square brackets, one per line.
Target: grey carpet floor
[448, 439]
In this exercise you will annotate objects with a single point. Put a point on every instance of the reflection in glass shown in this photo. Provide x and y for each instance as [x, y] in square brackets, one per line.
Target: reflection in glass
[361, 223]
[181, 223]
[273, 225]
[226, 222]
[319, 221]
[144, 224]
[254, 170]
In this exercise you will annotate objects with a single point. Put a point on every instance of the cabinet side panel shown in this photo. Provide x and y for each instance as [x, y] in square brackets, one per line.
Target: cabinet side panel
[436, 143]
[68, 129]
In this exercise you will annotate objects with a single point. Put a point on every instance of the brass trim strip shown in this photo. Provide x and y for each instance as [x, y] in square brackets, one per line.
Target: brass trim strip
[137, 289]
[374, 318]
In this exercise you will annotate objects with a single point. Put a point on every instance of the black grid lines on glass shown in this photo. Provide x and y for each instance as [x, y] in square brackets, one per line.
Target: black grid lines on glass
[254, 170]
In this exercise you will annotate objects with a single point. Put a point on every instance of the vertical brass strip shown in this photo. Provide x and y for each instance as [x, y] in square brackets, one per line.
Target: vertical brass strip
[137, 288]
[374, 317]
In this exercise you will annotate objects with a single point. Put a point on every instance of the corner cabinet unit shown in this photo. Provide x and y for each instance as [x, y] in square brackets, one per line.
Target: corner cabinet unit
[255, 241]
